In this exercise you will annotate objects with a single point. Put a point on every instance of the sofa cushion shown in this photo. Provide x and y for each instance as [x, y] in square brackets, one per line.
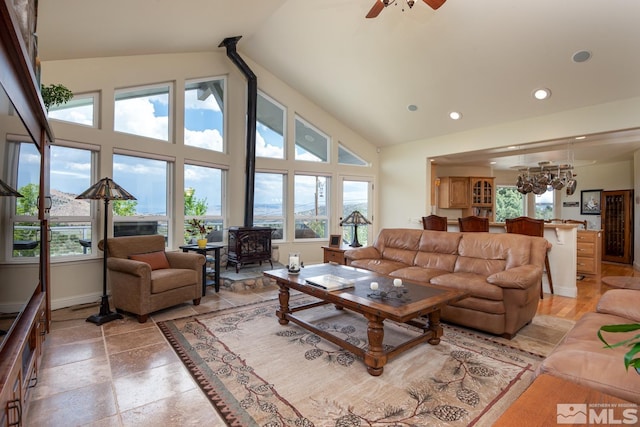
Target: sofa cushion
[380, 266]
[438, 261]
[481, 304]
[475, 284]
[172, 278]
[621, 302]
[582, 358]
[157, 260]
[417, 274]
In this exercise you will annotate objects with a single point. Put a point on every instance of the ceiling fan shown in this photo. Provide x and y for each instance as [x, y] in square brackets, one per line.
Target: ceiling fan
[381, 4]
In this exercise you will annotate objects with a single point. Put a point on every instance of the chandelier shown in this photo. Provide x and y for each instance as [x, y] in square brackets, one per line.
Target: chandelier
[546, 177]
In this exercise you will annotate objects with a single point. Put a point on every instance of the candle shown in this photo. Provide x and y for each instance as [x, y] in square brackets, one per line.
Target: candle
[397, 282]
[374, 286]
[294, 263]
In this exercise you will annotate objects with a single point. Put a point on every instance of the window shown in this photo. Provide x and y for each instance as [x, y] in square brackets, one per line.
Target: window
[143, 111]
[26, 226]
[71, 219]
[270, 128]
[347, 157]
[204, 114]
[311, 144]
[203, 196]
[311, 207]
[268, 203]
[510, 203]
[544, 205]
[81, 109]
[355, 197]
[148, 181]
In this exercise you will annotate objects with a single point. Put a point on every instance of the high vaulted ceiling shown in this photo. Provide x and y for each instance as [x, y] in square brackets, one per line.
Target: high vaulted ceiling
[483, 58]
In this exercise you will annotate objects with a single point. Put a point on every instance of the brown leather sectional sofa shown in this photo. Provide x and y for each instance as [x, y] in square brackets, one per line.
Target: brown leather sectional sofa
[582, 358]
[501, 272]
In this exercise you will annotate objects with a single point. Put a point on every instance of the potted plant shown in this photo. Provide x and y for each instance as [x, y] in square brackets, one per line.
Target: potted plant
[198, 227]
[631, 357]
[55, 95]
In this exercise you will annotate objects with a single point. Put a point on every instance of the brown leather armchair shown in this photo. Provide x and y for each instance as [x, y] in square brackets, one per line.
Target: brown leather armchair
[143, 278]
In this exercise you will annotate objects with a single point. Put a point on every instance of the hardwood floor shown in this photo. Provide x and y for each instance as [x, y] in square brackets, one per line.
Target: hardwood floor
[589, 290]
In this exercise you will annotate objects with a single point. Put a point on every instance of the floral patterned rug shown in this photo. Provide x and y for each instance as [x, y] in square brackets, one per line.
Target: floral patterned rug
[257, 372]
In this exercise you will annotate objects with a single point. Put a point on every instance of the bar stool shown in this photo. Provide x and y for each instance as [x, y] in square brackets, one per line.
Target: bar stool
[531, 227]
[473, 223]
[434, 222]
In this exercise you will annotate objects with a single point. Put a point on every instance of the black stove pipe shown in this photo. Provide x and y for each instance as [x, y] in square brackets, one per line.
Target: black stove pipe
[252, 102]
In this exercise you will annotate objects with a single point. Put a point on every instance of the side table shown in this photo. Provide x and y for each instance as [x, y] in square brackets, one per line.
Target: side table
[216, 266]
[333, 254]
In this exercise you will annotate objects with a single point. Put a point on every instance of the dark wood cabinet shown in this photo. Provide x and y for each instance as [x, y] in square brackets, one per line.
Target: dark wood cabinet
[336, 255]
[617, 225]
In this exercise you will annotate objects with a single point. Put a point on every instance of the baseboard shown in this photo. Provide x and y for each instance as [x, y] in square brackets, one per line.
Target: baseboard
[76, 300]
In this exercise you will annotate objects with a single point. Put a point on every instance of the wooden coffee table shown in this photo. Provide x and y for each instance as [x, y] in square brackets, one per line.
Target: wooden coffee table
[419, 301]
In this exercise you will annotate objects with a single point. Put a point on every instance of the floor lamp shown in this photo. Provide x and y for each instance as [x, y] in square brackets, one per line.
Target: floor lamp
[106, 190]
[355, 218]
[5, 191]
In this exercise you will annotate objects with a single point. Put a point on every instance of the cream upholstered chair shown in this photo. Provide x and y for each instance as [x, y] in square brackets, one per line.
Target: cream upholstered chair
[143, 278]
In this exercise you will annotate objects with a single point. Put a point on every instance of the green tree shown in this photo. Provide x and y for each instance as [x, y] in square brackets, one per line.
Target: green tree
[192, 205]
[125, 207]
[28, 204]
[509, 203]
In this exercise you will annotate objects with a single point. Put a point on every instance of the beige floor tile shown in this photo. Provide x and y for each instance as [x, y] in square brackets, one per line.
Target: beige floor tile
[134, 339]
[72, 352]
[71, 376]
[190, 408]
[167, 381]
[142, 358]
[84, 332]
[79, 406]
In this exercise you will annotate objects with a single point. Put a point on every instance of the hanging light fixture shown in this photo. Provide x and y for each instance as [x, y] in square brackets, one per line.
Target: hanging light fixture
[546, 177]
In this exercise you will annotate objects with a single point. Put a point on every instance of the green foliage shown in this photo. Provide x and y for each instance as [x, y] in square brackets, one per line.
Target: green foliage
[28, 205]
[198, 226]
[633, 343]
[509, 203]
[53, 95]
[192, 205]
[124, 207]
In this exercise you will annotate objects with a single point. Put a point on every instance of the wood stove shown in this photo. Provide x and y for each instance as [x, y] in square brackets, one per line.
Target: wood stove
[248, 245]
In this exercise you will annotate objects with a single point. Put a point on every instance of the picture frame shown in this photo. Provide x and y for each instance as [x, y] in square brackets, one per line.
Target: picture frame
[590, 203]
[335, 240]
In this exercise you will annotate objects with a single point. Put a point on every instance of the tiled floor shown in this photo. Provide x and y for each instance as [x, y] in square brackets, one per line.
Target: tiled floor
[126, 374]
[123, 373]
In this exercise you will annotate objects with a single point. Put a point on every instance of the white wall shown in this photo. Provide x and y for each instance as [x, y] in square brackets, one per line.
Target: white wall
[405, 170]
[81, 281]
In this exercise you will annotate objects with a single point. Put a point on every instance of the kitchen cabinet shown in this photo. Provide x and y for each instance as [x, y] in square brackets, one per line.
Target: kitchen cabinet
[589, 244]
[482, 197]
[453, 192]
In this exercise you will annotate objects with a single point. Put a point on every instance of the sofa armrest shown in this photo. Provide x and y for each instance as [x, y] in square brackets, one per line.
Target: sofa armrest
[129, 266]
[521, 277]
[188, 260]
[368, 252]
[620, 302]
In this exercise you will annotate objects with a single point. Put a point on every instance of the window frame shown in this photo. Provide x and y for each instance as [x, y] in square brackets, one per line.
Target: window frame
[275, 218]
[326, 217]
[95, 107]
[143, 88]
[208, 218]
[223, 149]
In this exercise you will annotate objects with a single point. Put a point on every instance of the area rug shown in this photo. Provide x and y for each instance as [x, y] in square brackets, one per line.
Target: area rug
[257, 372]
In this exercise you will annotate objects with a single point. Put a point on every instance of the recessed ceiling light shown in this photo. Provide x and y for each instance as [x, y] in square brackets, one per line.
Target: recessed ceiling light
[511, 147]
[454, 115]
[581, 56]
[412, 107]
[581, 137]
[542, 93]
[493, 162]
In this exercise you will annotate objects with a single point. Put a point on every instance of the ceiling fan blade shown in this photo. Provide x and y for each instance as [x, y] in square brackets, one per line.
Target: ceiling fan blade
[434, 4]
[376, 9]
